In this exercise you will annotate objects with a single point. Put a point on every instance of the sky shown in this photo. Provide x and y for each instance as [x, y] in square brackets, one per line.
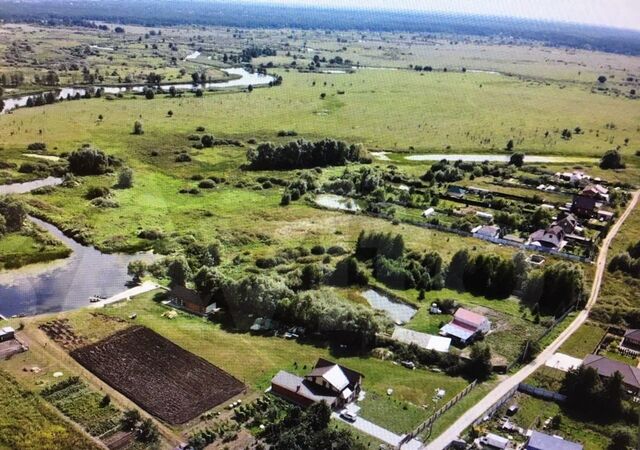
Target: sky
[612, 13]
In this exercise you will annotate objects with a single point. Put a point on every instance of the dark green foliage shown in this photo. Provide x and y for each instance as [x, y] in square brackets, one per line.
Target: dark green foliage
[455, 273]
[317, 250]
[592, 396]
[627, 262]
[96, 192]
[89, 161]
[612, 159]
[370, 245]
[490, 275]
[393, 273]
[310, 277]
[303, 154]
[478, 366]
[517, 159]
[556, 288]
[256, 294]
[137, 128]
[37, 147]
[348, 273]
[13, 213]
[125, 178]
[179, 271]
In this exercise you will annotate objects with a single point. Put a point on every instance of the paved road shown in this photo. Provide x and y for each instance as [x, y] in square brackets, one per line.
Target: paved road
[467, 419]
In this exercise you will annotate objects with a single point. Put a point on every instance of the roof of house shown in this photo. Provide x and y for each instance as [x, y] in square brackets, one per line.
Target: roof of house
[487, 230]
[607, 367]
[456, 190]
[584, 202]
[543, 441]
[353, 376]
[303, 388]
[462, 333]
[189, 295]
[632, 334]
[7, 330]
[594, 189]
[469, 317]
[568, 223]
[332, 375]
[552, 235]
[423, 340]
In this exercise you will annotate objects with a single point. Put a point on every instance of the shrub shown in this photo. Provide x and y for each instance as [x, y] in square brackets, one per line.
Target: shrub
[37, 147]
[336, 250]
[152, 235]
[207, 184]
[317, 250]
[88, 161]
[96, 192]
[102, 202]
[612, 160]
[183, 157]
[200, 129]
[125, 178]
[137, 128]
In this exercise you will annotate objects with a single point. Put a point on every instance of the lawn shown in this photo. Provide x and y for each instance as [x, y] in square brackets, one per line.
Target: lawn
[19, 249]
[27, 422]
[398, 416]
[583, 341]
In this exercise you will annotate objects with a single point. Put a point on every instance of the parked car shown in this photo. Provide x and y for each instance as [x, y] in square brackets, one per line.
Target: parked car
[348, 416]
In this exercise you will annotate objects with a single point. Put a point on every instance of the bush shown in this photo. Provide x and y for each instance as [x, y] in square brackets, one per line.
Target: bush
[317, 250]
[183, 157]
[152, 235]
[125, 178]
[336, 250]
[37, 147]
[149, 94]
[137, 128]
[612, 160]
[88, 161]
[207, 141]
[102, 202]
[207, 184]
[96, 192]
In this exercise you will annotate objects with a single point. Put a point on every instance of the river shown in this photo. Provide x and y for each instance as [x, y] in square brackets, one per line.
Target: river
[472, 157]
[63, 284]
[246, 79]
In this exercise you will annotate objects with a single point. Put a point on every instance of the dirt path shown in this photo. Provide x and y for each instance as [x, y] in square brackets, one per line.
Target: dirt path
[471, 415]
[34, 337]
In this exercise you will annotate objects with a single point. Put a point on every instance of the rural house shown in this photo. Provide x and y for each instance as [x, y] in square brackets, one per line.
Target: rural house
[583, 206]
[607, 367]
[631, 341]
[190, 300]
[486, 231]
[543, 441]
[466, 326]
[329, 382]
[596, 191]
[552, 238]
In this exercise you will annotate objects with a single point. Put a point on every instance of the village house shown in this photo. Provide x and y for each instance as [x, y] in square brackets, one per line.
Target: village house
[189, 300]
[596, 191]
[631, 341]
[584, 206]
[543, 441]
[486, 231]
[466, 326]
[329, 382]
[552, 237]
[607, 367]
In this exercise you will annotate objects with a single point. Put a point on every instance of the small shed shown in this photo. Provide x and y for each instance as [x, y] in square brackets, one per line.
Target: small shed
[7, 333]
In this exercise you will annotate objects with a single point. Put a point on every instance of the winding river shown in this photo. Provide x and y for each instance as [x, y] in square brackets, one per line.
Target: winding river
[63, 284]
[246, 79]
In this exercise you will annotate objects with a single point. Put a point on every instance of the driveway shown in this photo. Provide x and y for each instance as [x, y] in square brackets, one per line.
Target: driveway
[372, 429]
[472, 414]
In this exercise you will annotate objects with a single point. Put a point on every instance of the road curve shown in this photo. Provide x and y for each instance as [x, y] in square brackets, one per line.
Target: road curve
[472, 414]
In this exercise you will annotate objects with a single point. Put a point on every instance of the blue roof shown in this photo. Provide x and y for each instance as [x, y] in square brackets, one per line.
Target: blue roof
[543, 441]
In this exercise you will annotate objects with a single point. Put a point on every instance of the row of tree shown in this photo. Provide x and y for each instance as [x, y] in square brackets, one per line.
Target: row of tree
[303, 154]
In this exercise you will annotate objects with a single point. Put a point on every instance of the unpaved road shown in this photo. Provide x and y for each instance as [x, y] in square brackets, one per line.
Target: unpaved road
[467, 419]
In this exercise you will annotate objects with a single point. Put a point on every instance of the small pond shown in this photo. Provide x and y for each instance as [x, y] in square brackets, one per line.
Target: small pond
[333, 201]
[398, 312]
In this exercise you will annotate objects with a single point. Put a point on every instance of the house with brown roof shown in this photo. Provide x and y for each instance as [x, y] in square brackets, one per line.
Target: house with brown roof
[596, 191]
[607, 367]
[631, 341]
[584, 206]
[329, 382]
[189, 300]
[466, 326]
[552, 237]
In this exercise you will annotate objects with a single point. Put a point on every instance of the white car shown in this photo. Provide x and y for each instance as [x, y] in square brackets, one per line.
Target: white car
[348, 416]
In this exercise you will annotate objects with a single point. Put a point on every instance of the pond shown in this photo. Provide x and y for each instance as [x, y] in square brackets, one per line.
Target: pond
[245, 79]
[497, 158]
[64, 284]
[398, 312]
[333, 201]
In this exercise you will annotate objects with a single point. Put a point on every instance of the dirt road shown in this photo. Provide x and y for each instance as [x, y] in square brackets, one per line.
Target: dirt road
[471, 415]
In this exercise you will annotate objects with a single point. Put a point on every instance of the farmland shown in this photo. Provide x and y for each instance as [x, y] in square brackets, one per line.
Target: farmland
[166, 380]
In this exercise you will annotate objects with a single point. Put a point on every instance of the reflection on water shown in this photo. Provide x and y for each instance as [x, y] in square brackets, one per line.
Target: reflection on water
[398, 312]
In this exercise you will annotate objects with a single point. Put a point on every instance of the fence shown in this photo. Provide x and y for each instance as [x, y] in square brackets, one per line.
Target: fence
[545, 394]
[493, 408]
[429, 422]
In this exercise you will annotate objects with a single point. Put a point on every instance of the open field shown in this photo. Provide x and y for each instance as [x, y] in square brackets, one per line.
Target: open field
[27, 422]
[164, 379]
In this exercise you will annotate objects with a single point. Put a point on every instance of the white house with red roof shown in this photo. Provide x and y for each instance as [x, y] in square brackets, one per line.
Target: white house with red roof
[466, 326]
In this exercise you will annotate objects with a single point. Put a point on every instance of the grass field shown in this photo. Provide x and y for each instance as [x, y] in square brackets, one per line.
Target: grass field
[583, 341]
[27, 422]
